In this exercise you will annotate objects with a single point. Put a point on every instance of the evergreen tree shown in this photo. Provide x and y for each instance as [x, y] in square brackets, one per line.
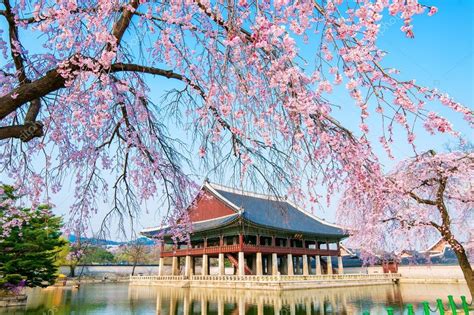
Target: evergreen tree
[29, 244]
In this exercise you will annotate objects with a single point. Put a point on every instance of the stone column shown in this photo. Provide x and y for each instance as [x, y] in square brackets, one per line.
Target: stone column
[173, 305]
[188, 266]
[221, 264]
[274, 264]
[158, 304]
[329, 264]
[205, 265]
[297, 267]
[277, 309]
[241, 264]
[185, 304]
[292, 308]
[340, 267]
[259, 264]
[241, 305]
[220, 307]
[203, 306]
[291, 271]
[318, 264]
[174, 266]
[260, 308]
[305, 265]
[161, 267]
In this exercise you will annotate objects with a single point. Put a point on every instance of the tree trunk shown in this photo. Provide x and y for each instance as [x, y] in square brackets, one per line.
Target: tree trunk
[445, 230]
[466, 268]
[72, 270]
[133, 269]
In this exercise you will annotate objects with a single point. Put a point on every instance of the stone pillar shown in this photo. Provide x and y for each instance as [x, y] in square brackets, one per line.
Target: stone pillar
[188, 266]
[305, 265]
[260, 308]
[174, 266]
[173, 305]
[318, 265]
[185, 303]
[329, 264]
[220, 307]
[297, 266]
[221, 264]
[292, 308]
[161, 267]
[274, 264]
[291, 271]
[203, 306]
[340, 267]
[277, 309]
[241, 305]
[241, 271]
[158, 305]
[205, 265]
[259, 264]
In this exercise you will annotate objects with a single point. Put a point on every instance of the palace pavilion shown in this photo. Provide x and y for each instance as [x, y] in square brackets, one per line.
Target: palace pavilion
[256, 234]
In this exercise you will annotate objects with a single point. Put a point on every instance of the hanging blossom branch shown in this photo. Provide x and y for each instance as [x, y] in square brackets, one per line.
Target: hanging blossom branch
[252, 105]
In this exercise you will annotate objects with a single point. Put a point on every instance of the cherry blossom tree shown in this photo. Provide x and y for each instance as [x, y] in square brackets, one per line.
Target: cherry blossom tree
[423, 198]
[76, 96]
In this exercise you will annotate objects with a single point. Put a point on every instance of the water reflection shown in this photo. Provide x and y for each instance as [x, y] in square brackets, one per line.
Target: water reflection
[321, 301]
[222, 302]
[120, 298]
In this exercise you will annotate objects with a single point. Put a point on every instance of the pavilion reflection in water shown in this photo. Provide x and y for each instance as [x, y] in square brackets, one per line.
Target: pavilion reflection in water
[174, 301]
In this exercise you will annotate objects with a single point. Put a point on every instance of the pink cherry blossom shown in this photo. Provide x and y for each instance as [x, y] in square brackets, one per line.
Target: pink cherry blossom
[96, 112]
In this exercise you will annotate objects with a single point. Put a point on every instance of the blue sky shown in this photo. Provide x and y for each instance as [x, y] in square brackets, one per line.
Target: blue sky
[440, 55]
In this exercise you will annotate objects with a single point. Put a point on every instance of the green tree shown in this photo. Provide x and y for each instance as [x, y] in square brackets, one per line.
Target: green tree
[97, 255]
[30, 240]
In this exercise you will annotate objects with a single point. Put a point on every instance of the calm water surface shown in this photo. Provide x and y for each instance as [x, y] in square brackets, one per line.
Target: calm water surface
[124, 299]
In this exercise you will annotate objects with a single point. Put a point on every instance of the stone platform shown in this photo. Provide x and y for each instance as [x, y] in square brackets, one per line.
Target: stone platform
[266, 282]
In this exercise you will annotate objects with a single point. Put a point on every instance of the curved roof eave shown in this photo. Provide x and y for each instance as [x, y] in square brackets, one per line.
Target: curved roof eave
[339, 236]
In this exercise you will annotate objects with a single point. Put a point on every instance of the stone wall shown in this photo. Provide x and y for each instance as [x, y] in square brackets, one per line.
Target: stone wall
[421, 271]
[100, 271]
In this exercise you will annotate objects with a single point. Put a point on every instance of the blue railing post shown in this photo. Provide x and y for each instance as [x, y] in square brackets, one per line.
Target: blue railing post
[440, 304]
[389, 310]
[452, 304]
[465, 306]
[410, 309]
[426, 308]
[366, 313]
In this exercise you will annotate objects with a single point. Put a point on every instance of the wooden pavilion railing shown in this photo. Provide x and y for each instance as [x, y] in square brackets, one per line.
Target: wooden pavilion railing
[247, 248]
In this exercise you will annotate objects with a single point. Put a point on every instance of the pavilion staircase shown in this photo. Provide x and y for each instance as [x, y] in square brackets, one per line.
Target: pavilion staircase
[235, 262]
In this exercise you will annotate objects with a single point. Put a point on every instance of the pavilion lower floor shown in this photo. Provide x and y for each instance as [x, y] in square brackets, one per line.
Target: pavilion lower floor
[242, 263]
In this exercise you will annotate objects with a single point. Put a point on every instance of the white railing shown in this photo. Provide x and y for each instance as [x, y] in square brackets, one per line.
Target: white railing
[270, 278]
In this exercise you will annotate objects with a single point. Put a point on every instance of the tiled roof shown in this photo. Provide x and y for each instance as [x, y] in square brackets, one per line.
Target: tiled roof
[261, 210]
[278, 214]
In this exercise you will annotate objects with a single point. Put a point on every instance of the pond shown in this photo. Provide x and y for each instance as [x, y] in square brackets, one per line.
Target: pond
[120, 298]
